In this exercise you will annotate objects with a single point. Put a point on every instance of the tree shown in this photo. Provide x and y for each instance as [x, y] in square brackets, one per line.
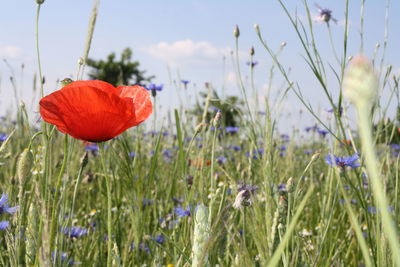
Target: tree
[230, 107]
[119, 72]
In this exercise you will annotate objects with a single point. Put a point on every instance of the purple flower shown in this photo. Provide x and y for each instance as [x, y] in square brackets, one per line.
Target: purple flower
[322, 132]
[185, 82]
[221, 160]
[154, 87]
[75, 232]
[132, 154]
[343, 162]
[180, 212]
[5, 207]
[395, 146]
[93, 148]
[231, 129]
[4, 225]
[160, 239]
[3, 137]
[236, 148]
[252, 63]
[325, 15]
[312, 128]
[308, 151]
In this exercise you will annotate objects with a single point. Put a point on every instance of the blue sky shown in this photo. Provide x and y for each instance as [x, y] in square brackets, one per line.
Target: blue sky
[190, 37]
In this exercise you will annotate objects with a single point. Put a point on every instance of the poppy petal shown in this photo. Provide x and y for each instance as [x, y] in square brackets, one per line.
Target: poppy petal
[141, 101]
[88, 113]
[103, 86]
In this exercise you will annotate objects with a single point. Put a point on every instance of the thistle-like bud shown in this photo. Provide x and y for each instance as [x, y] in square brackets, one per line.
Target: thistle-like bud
[39, 2]
[252, 51]
[236, 32]
[217, 119]
[66, 81]
[200, 127]
[290, 185]
[84, 160]
[24, 165]
[360, 82]
[315, 156]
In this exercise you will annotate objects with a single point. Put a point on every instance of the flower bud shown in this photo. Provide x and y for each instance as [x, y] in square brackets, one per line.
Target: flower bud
[236, 32]
[257, 28]
[360, 82]
[217, 119]
[252, 51]
[39, 2]
[66, 81]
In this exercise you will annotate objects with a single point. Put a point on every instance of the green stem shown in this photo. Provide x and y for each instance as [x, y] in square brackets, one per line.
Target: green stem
[371, 163]
[109, 206]
[55, 208]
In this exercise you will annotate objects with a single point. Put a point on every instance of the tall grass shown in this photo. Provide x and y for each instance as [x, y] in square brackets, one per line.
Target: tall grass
[197, 195]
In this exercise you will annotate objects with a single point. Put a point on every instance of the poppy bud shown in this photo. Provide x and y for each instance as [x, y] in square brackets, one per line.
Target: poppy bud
[236, 32]
[257, 28]
[39, 2]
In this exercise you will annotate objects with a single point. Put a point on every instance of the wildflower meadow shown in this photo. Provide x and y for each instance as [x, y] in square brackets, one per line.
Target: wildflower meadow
[99, 173]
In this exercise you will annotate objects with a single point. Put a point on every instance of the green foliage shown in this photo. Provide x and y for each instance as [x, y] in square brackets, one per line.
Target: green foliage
[118, 72]
[231, 108]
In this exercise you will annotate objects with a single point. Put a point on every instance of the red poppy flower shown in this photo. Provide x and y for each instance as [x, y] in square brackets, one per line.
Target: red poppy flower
[96, 111]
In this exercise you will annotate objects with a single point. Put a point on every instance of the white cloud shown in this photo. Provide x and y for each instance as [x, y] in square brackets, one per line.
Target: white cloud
[9, 51]
[185, 52]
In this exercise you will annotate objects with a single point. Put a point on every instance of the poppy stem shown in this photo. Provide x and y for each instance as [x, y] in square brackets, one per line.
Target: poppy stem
[37, 50]
[109, 215]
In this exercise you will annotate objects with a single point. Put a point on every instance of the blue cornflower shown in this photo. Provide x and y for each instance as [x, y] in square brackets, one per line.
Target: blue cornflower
[323, 132]
[180, 212]
[343, 162]
[252, 63]
[236, 148]
[185, 82]
[92, 147]
[168, 153]
[371, 209]
[75, 232]
[285, 138]
[221, 160]
[312, 128]
[132, 154]
[395, 146]
[155, 87]
[231, 129]
[325, 14]
[308, 151]
[5, 207]
[3, 137]
[4, 225]
[160, 239]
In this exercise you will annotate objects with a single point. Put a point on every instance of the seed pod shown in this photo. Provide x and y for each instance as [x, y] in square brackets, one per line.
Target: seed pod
[24, 165]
